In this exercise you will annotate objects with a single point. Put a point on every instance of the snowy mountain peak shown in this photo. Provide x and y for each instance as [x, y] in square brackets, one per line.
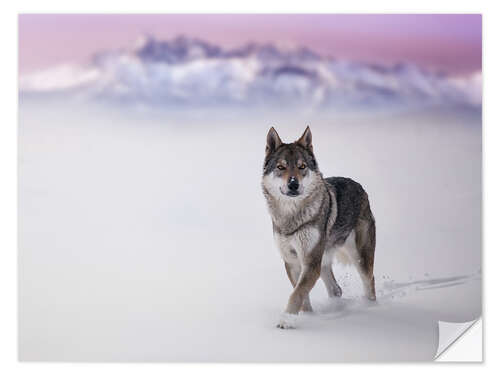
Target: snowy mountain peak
[183, 49]
[178, 50]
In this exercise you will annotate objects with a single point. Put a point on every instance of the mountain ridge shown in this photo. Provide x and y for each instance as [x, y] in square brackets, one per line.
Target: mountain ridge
[196, 72]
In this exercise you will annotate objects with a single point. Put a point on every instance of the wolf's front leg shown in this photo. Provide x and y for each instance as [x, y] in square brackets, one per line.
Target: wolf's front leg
[308, 276]
[293, 272]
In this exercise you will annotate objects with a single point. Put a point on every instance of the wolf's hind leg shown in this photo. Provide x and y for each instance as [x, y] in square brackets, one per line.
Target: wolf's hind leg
[365, 244]
[332, 287]
[367, 279]
[293, 272]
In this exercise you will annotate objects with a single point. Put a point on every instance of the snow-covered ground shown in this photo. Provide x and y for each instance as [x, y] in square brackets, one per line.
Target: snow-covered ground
[145, 237]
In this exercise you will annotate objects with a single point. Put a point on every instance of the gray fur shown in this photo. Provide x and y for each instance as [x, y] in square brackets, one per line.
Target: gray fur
[322, 216]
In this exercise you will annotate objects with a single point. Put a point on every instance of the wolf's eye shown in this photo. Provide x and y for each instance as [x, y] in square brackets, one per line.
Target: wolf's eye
[281, 168]
[302, 166]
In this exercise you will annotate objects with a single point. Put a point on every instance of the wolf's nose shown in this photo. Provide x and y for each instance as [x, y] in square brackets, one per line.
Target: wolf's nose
[293, 184]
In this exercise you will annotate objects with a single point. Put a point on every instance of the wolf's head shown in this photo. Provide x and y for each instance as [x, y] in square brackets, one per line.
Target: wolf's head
[290, 169]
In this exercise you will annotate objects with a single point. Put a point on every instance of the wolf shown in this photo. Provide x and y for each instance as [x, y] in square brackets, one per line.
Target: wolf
[315, 219]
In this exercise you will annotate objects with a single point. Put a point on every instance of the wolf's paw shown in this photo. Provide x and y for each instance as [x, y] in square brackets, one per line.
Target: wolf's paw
[369, 301]
[337, 292]
[287, 321]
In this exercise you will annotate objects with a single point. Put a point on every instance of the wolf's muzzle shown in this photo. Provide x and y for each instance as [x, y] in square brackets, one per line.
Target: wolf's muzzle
[293, 185]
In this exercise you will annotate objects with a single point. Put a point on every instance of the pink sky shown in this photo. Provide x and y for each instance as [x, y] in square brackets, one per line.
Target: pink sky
[450, 43]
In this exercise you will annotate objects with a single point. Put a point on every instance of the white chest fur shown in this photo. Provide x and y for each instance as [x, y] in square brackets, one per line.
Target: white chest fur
[293, 248]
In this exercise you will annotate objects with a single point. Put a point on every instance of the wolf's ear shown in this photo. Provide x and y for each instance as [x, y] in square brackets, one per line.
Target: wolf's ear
[273, 140]
[306, 139]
